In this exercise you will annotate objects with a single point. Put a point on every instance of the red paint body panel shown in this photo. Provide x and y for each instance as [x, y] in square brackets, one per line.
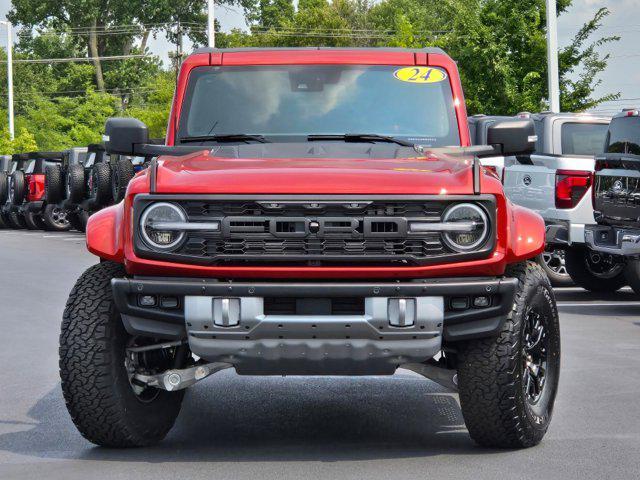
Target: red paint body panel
[520, 232]
[35, 187]
[202, 173]
[105, 233]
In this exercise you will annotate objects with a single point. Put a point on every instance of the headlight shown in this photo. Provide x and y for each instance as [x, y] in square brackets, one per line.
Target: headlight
[156, 225]
[473, 236]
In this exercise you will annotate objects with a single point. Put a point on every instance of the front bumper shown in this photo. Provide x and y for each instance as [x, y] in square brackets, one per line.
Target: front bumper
[613, 240]
[231, 322]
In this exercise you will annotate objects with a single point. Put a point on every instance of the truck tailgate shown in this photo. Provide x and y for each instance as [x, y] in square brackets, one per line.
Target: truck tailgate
[617, 194]
[533, 185]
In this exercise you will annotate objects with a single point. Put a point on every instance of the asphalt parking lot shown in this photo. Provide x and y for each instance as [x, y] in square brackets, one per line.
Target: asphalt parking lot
[400, 427]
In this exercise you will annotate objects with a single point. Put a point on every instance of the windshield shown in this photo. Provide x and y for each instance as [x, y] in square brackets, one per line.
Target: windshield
[583, 138]
[624, 136]
[289, 103]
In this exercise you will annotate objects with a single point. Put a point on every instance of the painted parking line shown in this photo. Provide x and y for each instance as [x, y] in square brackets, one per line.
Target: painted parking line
[604, 304]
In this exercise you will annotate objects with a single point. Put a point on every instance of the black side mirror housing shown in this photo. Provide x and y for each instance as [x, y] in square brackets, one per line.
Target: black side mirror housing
[123, 134]
[512, 137]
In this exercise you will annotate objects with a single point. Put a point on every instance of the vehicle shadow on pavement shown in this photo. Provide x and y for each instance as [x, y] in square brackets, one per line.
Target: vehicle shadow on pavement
[242, 419]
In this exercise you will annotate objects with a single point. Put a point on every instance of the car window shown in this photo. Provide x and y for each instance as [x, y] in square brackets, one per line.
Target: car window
[579, 138]
[624, 136]
[29, 166]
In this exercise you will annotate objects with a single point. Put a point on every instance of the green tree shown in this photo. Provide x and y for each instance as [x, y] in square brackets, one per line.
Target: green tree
[23, 142]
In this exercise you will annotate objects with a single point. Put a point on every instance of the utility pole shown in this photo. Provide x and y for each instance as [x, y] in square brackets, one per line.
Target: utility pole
[552, 56]
[211, 15]
[10, 77]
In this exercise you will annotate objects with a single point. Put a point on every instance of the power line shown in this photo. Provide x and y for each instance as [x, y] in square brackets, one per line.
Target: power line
[79, 59]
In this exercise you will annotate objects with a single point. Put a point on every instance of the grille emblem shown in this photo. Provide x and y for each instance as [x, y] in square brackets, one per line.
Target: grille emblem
[314, 226]
[617, 186]
[526, 180]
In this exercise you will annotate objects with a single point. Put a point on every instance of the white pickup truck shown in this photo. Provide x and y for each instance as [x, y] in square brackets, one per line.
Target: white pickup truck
[556, 182]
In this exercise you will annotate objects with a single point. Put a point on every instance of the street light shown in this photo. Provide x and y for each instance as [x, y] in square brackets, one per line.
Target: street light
[211, 23]
[552, 56]
[9, 76]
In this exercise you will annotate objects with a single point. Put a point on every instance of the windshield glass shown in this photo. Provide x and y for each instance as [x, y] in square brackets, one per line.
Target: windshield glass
[583, 138]
[624, 136]
[289, 102]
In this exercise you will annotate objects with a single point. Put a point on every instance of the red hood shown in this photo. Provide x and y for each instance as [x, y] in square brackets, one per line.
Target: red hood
[203, 173]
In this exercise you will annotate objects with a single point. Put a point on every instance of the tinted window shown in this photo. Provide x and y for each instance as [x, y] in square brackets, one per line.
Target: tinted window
[583, 138]
[296, 101]
[624, 135]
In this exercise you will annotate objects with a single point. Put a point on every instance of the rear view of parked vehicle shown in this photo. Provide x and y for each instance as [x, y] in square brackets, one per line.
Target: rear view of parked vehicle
[61, 182]
[556, 182]
[617, 197]
[15, 192]
[5, 166]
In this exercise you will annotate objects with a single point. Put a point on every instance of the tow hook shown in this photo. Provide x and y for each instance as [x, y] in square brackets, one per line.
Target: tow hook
[178, 379]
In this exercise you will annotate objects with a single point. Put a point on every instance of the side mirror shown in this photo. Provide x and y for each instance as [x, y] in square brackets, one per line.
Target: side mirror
[512, 137]
[121, 135]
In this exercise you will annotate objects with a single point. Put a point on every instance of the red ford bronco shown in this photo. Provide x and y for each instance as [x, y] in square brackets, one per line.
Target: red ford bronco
[313, 212]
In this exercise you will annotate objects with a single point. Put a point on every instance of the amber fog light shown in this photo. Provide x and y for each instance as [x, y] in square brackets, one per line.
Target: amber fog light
[476, 227]
[161, 225]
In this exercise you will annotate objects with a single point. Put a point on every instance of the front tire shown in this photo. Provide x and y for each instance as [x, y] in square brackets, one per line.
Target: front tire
[603, 276]
[95, 383]
[632, 273]
[508, 383]
[33, 221]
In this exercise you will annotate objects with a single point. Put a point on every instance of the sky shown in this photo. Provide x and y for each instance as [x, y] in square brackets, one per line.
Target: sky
[622, 75]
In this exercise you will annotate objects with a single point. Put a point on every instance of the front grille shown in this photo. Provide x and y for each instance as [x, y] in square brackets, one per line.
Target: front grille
[306, 231]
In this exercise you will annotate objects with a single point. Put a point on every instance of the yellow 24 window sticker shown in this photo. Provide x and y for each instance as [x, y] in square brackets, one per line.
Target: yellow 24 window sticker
[420, 75]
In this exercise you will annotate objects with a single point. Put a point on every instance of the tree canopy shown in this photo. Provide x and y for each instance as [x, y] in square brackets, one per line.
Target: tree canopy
[499, 45]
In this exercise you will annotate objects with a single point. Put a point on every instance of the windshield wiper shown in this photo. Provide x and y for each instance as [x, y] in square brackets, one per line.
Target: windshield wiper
[360, 137]
[224, 137]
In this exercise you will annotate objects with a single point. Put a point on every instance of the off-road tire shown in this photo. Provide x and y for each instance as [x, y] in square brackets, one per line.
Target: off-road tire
[16, 220]
[4, 187]
[51, 216]
[632, 274]
[575, 261]
[53, 184]
[19, 187]
[78, 220]
[101, 184]
[95, 385]
[123, 172]
[34, 221]
[75, 183]
[491, 371]
[556, 278]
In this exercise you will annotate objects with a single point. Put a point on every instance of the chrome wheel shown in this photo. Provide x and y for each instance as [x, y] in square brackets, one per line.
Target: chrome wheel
[534, 356]
[59, 217]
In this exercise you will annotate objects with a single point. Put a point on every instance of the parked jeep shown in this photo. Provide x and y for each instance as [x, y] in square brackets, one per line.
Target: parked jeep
[5, 167]
[57, 184]
[617, 197]
[10, 209]
[29, 197]
[314, 212]
[555, 181]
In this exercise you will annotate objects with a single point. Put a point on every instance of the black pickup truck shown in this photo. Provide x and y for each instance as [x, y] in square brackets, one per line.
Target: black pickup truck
[616, 196]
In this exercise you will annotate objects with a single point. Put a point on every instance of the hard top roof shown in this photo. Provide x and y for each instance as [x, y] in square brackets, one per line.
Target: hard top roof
[434, 50]
[44, 155]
